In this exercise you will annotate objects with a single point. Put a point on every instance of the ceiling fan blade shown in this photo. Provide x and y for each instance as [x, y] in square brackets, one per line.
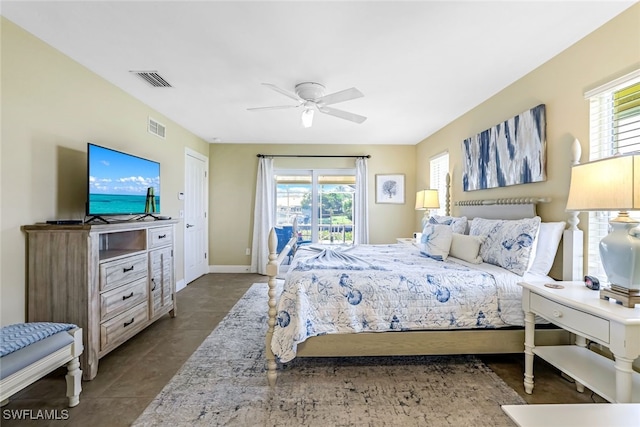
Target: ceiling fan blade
[343, 95]
[282, 91]
[342, 114]
[275, 107]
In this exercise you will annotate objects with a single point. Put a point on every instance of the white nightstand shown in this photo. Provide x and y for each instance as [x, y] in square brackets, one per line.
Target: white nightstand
[580, 310]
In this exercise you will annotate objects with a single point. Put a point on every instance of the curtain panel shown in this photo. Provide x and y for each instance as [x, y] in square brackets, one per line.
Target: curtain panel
[263, 213]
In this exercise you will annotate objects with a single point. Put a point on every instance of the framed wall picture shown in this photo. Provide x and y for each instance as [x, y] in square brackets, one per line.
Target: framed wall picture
[390, 188]
[512, 152]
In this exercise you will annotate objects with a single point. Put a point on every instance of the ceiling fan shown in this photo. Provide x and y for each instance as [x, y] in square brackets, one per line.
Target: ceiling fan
[310, 96]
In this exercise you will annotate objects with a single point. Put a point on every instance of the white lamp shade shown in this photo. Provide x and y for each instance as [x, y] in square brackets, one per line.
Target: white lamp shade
[427, 199]
[611, 184]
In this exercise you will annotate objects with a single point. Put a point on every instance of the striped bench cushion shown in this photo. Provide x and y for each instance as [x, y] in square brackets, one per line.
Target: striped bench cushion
[18, 360]
[20, 335]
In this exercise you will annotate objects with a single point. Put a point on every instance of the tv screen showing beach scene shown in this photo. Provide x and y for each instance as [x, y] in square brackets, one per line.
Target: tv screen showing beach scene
[120, 183]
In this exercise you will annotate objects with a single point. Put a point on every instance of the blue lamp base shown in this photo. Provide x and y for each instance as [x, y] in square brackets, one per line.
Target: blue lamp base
[620, 253]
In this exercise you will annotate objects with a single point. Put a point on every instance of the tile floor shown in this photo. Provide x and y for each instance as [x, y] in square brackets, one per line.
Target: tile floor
[132, 375]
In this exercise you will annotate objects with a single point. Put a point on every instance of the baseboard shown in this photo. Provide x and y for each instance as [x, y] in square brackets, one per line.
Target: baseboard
[229, 269]
[180, 285]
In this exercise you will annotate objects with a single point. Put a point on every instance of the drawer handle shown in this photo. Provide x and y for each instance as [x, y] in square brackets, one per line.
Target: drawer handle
[162, 236]
[128, 323]
[153, 280]
[124, 297]
[557, 313]
[190, 225]
[126, 270]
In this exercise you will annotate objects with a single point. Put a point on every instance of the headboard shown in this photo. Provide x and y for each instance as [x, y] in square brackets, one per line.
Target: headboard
[500, 208]
[519, 208]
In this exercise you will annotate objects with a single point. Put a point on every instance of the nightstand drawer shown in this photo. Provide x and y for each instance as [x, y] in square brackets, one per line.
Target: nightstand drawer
[582, 323]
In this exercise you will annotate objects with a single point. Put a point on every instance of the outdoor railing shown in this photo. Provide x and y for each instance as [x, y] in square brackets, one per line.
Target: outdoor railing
[327, 233]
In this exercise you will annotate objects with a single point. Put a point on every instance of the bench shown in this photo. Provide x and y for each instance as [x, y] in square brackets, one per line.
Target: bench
[29, 351]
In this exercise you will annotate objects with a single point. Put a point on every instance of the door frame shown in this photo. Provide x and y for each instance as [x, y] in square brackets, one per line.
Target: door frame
[314, 173]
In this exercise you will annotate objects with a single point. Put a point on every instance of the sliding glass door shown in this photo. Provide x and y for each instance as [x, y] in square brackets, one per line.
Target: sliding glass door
[321, 201]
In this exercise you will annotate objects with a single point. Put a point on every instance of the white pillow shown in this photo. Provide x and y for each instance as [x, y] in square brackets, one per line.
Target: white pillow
[534, 250]
[548, 240]
[457, 224]
[466, 248]
[508, 243]
[436, 241]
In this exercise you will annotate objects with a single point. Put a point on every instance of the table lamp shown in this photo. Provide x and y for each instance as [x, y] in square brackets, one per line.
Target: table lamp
[613, 184]
[426, 200]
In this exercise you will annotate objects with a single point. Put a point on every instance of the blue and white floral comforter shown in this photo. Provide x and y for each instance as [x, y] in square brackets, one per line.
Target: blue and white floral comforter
[379, 288]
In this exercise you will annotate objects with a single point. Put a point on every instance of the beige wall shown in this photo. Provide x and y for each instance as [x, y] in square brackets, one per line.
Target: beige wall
[232, 184]
[609, 52]
[51, 108]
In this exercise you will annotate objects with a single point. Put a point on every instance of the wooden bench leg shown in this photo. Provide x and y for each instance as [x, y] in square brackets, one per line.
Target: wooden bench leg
[74, 381]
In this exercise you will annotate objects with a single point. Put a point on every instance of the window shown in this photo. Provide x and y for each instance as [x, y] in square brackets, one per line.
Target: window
[439, 167]
[320, 200]
[614, 128]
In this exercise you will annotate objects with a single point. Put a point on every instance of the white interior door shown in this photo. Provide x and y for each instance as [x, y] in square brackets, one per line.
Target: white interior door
[195, 216]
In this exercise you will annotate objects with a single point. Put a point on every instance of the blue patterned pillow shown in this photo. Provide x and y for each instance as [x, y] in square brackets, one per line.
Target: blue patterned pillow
[508, 243]
[436, 241]
[457, 224]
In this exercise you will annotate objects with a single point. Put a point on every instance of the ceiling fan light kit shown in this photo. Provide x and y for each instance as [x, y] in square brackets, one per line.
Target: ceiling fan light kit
[310, 95]
[307, 117]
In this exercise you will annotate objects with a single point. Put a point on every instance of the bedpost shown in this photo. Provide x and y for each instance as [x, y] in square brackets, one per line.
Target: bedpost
[272, 272]
[447, 194]
[573, 238]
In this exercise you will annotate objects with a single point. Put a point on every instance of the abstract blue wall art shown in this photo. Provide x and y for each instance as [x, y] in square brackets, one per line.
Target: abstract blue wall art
[512, 152]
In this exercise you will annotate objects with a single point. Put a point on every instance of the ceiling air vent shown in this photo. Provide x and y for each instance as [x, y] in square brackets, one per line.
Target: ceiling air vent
[153, 78]
[156, 128]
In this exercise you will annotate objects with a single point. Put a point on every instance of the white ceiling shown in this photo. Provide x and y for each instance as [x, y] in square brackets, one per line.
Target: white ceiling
[420, 64]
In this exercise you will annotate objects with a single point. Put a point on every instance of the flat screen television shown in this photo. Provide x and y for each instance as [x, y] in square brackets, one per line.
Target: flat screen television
[121, 184]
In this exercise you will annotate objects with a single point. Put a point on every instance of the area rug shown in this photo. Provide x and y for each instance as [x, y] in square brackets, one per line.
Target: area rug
[224, 384]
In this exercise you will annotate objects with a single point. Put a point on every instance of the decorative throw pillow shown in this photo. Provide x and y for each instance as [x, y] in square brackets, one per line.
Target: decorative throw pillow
[436, 241]
[548, 240]
[508, 243]
[457, 224]
[466, 248]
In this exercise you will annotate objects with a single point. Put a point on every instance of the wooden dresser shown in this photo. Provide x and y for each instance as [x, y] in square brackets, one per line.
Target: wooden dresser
[112, 280]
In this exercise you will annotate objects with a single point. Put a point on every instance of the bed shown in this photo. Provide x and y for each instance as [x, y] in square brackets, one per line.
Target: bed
[332, 302]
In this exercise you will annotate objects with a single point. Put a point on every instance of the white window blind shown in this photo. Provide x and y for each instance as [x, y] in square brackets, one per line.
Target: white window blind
[439, 167]
[614, 120]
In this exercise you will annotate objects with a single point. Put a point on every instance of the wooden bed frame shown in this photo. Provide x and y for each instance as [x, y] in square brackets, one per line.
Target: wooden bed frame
[410, 343]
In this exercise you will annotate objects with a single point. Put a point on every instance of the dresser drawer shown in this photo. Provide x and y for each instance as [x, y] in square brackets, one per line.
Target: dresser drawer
[160, 236]
[577, 321]
[115, 331]
[120, 299]
[123, 271]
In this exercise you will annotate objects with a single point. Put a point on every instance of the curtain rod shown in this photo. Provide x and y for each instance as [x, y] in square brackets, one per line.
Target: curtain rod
[368, 156]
